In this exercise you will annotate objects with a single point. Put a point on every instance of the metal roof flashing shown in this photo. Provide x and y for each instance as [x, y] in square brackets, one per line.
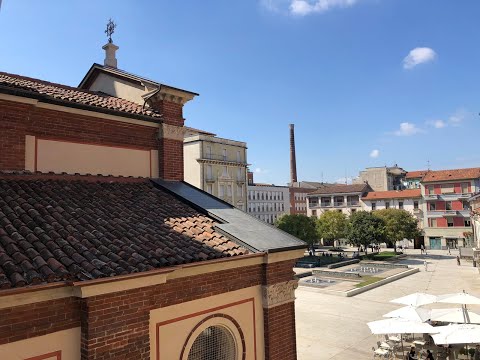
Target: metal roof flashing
[236, 224]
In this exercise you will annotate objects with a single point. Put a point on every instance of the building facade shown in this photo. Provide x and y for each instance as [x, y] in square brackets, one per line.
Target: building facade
[268, 202]
[103, 246]
[382, 178]
[413, 179]
[217, 166]
[342, 198]
[446, 208]
[475, 218]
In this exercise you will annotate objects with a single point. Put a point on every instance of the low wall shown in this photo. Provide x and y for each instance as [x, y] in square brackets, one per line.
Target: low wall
[384, 265]
[343, 263]
[337, 274]
[387, 280]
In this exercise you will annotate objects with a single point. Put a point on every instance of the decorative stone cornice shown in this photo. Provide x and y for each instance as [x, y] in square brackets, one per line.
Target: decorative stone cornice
[173, 132]
[278, 294]
[169, 94]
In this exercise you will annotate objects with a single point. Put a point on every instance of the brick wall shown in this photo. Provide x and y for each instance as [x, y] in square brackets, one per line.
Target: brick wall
[280, 334]
[116, 326]
[172, 112]
[18, 120]
[27, 321]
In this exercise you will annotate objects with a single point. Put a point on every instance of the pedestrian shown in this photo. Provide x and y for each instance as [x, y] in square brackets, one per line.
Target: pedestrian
[430, 356]
[425, 264]
[422, 249]
[448, 248]
[458, 260]
[476, 355]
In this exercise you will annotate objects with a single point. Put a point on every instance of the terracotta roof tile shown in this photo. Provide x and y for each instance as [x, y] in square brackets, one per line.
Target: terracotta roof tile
[394, 194]
[453, 174]
[416, 174]
[74, 95]
[57, 230]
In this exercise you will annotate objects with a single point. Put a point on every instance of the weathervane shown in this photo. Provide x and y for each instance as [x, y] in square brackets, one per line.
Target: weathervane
[110, 29]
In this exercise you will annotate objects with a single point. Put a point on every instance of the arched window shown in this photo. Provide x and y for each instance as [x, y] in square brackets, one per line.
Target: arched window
[214, 343]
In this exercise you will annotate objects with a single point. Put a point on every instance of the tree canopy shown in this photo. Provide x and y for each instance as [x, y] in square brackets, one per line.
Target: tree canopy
[301, 226]
[365, 228]
[332, 225]
[399, 225]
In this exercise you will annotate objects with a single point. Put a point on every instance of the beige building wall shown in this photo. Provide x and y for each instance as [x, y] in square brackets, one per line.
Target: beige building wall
[221, 167]
[61, 345]
[376, 178]
[174, 329]
[119, 88]
[60, 156]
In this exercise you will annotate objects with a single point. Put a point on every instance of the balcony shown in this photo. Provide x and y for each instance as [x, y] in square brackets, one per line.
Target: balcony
[455, 196]
[353, 203]
[313, 205]
[325, 204]
[209, 179]
[430, 196]
[339, 204]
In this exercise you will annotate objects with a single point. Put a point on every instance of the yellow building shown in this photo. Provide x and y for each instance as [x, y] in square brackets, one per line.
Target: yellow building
[217, 166]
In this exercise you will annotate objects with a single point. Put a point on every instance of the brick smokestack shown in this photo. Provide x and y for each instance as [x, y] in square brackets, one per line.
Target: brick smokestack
[293, 159]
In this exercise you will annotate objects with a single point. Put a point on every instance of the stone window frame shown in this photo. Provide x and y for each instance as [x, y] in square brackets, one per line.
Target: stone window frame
[223, 320]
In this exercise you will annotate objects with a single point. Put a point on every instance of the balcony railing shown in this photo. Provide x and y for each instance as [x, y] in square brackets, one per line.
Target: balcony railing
[326, 204]
[353, 203]
[338, 203]
[430, 196]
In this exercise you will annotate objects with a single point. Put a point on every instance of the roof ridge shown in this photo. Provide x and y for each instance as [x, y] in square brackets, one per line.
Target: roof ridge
[38, 175]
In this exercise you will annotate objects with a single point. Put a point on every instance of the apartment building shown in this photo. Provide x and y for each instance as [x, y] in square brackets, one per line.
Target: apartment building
[342, 198]
[298, 194]
[413, 179]
[475, 218]
[217, 166]
[268, 202]
[446, 207]
[409, 200]
[382, 178]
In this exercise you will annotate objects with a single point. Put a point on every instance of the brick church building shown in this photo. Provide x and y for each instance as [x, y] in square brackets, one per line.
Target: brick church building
[105, 253]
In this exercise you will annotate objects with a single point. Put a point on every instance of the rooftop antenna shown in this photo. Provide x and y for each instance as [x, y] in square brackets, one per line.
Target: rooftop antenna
[346, 177]
[321, 176]
[428, 165]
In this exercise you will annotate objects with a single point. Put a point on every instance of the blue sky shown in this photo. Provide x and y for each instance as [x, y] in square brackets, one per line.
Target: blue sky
[366, 82]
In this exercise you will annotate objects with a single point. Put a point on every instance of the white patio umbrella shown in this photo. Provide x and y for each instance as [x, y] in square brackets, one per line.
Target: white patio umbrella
[410, 313]
[416, 299]
[457, 334]
[400, 326]
[462, 298]
[455, 315]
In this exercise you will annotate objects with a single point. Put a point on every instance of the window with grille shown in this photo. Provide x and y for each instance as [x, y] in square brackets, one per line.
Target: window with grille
[214, 343]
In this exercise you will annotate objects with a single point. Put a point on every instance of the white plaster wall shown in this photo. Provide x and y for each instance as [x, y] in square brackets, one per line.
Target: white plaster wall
[191, 167]
[119, 88]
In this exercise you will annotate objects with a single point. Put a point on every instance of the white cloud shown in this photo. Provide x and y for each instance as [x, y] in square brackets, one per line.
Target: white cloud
[305, 7]
[418, 56]
[407, 129]
[457, 118]
[375, 153]
[260, 171]
[344, 180]
[438, 124]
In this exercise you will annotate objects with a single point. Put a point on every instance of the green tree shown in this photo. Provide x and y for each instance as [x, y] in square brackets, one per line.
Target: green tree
[332, 225]
[399, 225]
[364, 228]
[300, 226]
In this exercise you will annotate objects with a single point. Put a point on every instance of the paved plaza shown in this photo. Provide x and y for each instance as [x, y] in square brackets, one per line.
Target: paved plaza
[334, 327]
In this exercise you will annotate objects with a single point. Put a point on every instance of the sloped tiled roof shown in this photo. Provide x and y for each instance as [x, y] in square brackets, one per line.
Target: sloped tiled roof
[394, 194]
[341, 189]
[453, 174]
[67, 94]
[55, 230]
[416, 174]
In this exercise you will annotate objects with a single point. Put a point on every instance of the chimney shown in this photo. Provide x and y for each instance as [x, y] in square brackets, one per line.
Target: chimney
[250, 178]
[293, 159]
[110, 59]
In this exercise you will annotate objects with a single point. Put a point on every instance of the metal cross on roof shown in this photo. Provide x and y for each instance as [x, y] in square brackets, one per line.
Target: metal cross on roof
[110, 29]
